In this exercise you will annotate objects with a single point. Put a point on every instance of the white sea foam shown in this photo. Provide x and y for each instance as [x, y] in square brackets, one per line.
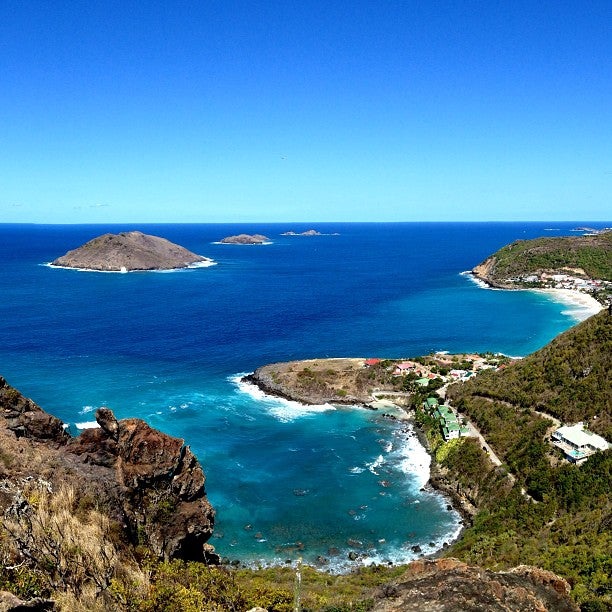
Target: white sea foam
[479, 282]
[87, 409]
[282, 409]
[207, 263]
[198, 264]
[374, 465]
[582, 305]
[413, 458]
[268, 242]
[86, 425]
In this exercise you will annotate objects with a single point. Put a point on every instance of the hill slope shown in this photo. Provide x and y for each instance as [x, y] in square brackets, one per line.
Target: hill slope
[557, 516]
[129, 251]
[587, 256]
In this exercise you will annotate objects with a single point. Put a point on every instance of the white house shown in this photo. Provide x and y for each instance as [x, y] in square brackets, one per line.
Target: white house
[577, 443]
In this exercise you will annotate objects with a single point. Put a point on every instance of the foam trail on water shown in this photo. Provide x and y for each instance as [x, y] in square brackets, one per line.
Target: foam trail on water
[479, 282]
[197, 264]
[282, 409]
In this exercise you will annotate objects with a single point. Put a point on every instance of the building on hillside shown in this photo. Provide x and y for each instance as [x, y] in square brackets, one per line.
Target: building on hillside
[404, 368]
[431, 403]
[577, 443]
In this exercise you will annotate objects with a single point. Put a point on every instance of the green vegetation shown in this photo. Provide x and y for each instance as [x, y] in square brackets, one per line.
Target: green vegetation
[562, 522]
[54, 548]
[593, 254]
[570, 379]
[534, 509]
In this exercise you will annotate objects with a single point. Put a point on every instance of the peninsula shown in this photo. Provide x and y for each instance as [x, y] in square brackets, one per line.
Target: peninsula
[246, 239]
[579, 263]
[364, 381]
[130, 251]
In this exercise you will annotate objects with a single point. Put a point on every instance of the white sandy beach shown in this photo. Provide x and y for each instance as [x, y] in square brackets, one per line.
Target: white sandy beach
[584, 305]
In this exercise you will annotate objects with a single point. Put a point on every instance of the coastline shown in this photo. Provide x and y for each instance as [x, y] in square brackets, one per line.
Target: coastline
[586, 304]
[206, 263]
[436, 480]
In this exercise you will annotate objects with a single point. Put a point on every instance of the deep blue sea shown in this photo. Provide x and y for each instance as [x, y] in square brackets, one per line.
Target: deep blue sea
[286, 480]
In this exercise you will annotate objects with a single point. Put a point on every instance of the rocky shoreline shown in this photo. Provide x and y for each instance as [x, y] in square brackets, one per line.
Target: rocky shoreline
[439, 479]
[150, 483]
[265, 381]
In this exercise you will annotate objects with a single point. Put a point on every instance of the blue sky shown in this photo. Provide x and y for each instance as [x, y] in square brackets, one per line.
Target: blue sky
[315, 111]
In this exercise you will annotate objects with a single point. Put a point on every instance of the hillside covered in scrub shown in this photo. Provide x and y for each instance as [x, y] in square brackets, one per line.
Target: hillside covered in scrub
[587, 256]
[556, 516]
[570, 379]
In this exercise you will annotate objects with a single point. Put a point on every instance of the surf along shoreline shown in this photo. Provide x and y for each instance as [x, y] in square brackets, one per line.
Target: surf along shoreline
[395, 406]
[350, 382]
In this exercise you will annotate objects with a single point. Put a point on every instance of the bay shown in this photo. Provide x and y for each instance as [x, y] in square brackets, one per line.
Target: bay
[168, 347]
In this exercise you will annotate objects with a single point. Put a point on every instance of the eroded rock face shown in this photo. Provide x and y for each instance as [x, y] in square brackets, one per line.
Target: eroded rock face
[448, 585]
[150, 483]
[12, 603]
[26, 419]
[129, 251]
[164, 498]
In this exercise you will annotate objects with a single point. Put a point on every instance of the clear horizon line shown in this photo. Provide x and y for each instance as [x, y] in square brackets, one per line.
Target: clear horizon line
[578, 221]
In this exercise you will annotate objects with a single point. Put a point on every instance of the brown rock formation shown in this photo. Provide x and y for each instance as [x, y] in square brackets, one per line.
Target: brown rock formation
[12, 603]
[25, 419]
[150, 483]
[246, 239]
[129, 251]
[448, 585]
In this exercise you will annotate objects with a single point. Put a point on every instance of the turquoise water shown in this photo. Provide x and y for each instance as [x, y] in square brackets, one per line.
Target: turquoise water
[286, 481]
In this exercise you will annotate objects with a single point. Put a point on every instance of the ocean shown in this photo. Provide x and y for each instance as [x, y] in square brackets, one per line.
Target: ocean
[286, 480]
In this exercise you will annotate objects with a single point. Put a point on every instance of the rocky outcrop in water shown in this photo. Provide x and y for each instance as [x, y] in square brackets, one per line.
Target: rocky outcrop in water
[246, 239]
[150, 483]
[129, 251]
[310, 232]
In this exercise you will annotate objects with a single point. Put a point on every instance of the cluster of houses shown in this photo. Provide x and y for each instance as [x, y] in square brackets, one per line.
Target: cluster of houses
[450, 425]
[577, 443]
[563, 281]
[441, 360]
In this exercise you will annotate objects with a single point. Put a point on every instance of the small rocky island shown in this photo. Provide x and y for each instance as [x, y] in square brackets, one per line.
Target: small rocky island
[310, 232]
[246, 239]
[130, 251]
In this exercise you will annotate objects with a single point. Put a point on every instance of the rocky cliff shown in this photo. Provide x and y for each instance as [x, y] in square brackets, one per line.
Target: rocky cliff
[149, 483]
[447, 585]
[129, 251]
[317, 381]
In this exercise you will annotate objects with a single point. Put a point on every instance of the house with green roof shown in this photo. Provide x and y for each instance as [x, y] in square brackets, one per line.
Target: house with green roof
[431, 403]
